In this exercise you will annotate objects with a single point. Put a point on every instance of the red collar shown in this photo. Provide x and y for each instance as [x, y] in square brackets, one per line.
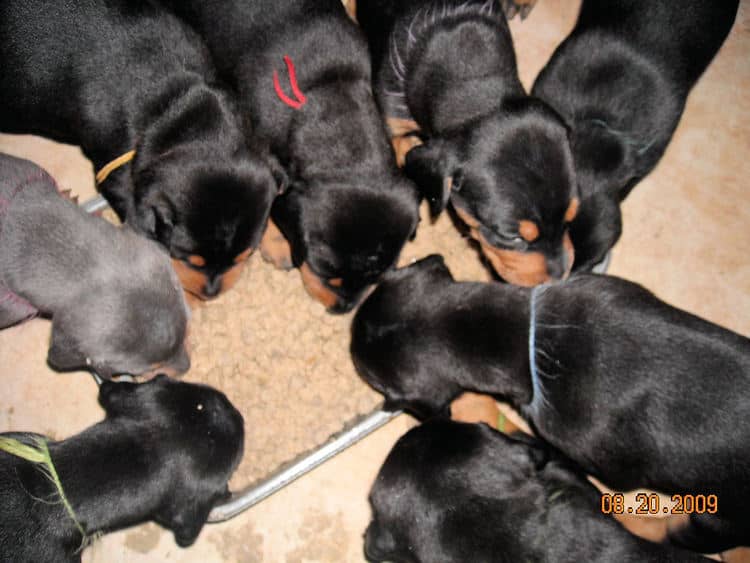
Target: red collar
[300, 97]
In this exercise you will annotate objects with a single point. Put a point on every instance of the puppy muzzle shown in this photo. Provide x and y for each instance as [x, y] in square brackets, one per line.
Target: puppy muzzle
[336, 300]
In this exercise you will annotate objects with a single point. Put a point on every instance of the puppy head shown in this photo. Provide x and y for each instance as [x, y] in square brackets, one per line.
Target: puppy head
[196, 432]
[210, 217]
[386, 347]
[131, 319]
[453, 492]
[511, 179]
[344, 237]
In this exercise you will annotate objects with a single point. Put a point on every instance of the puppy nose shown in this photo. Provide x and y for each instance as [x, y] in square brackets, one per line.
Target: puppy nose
[212, 287]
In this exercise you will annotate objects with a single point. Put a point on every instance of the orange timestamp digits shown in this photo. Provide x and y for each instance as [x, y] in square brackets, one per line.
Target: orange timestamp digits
[650, 504]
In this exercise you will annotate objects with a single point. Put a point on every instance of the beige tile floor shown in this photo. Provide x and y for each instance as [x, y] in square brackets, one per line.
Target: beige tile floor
[687, 235]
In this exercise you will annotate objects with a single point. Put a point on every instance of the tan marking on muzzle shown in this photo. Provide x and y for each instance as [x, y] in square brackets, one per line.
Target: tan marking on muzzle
[520, 268]
[316, 288]
[191, 279]
[572, 210]
[274, 248]
[160, 367]
[194, 282]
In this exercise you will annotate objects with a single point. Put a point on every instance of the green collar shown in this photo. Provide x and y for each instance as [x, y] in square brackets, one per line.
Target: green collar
[39, 454]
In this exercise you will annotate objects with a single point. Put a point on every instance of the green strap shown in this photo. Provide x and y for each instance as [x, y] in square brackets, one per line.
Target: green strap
[40, 455]
[501, 419]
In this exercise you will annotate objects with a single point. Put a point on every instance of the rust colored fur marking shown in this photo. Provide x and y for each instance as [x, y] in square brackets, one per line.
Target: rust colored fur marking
[572, 210]
[519, 268]
[316, 288]
[274, 248]
[191, 279]
[351, 9]
[196, 260]
[402, 137]
[194, 281]
[528, 230]
[336, 282]
[475, 408]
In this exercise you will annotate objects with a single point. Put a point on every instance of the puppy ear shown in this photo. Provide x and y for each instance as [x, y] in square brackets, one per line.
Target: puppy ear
[189, 520]
[431, 167]
[435, 265]
[595, 230]
[63, 353]
[115, 397]
[157, 220]
[379, 542]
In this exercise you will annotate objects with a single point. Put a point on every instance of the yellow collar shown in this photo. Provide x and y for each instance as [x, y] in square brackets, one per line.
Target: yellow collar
[107, 169]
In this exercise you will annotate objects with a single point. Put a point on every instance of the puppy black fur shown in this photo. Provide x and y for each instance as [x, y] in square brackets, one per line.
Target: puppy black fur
[164, 452]
[454, 492]
[638, 393]
[621, 80]
[499, 156]
[112, 76]
[347, 211]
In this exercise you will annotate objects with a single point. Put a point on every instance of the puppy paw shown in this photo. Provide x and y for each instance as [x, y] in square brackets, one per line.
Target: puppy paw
[275, 249]
[475, 408]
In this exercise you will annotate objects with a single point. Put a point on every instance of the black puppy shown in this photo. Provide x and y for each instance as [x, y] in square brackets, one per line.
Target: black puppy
[621, 80]
[446, 71]
[164, 452]
[302, 73]
[453, 492]
[124, 78]
[638, 393]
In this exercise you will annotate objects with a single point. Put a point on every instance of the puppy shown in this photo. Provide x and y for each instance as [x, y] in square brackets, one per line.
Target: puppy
[164, 452]
[620, 80]
[454, 492]
[125, 78]
[115, 302]
[619, 381]
[445, 72]
[302, 73]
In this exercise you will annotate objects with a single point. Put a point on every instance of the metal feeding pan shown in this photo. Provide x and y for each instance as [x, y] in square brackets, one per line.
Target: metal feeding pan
[287, 472]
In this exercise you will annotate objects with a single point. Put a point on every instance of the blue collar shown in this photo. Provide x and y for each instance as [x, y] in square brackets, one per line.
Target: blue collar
[535, 383]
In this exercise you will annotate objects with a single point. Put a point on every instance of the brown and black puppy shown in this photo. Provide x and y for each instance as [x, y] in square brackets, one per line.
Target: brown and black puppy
[638, 393]
[302, 73]
[454, 493]
[164, 452]
[125, 78]
[116, 304]
[620, 81]
[445, 72]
